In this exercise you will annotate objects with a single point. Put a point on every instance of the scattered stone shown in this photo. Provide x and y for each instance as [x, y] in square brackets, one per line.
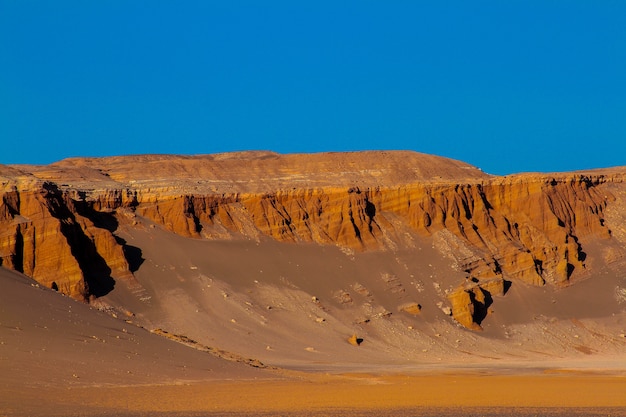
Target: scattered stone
[384, 313]
[360, 289]
[393, 283]
[343, 297]
[354, 340]
[446, 310]
[411, 308]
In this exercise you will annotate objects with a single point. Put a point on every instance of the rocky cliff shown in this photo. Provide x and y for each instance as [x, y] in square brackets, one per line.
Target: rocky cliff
[58, 223]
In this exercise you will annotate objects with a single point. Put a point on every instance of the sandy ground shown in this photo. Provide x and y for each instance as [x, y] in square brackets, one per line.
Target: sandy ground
[256, 299]
[59, 357]
[417, 394]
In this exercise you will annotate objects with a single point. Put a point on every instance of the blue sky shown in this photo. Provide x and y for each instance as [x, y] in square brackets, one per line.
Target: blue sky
[508, 86]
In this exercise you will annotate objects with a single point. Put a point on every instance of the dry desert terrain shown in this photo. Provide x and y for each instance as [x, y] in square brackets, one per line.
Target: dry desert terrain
[372, 283]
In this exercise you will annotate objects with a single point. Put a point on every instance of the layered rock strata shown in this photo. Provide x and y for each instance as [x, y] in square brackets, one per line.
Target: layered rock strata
[58, 222]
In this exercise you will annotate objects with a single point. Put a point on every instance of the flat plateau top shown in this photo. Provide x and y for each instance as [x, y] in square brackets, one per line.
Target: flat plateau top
[259, 171]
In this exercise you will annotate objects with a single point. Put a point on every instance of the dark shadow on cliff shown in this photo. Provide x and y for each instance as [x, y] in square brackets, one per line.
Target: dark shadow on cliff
[370, 212]
[18, 258]
[507, 286]
[96, 272]
[190, 212]
[133, 254]
[370, 209]
[108, 221]
[582, 255]
[481, 309]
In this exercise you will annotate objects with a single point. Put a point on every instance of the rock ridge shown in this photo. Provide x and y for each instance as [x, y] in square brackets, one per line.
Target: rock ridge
[58, 222]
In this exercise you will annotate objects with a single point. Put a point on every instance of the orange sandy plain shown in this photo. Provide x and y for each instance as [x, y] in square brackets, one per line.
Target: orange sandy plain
[418, 394]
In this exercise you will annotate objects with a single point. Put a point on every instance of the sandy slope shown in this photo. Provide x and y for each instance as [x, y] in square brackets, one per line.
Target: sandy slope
[77, 360]
[50, 342]
[287, 306]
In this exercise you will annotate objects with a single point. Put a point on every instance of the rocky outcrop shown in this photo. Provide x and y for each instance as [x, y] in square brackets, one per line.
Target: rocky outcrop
[471, 300]
[63, 243]
[525, 227]
[58, 223]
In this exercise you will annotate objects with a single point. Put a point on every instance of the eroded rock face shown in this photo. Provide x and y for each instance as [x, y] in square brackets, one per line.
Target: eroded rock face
[58, 223]
[471, 300]
[57, 240]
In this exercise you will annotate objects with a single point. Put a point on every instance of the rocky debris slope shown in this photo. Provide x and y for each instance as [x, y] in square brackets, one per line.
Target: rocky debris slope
[58, 223]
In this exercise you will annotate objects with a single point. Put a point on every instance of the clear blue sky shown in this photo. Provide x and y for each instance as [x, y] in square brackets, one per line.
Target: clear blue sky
[506, 85]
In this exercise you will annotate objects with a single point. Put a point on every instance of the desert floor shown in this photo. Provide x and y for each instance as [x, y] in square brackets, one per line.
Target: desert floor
[478, 392]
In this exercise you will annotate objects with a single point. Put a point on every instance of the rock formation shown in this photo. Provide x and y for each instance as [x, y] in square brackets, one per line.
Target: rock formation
[58, 222]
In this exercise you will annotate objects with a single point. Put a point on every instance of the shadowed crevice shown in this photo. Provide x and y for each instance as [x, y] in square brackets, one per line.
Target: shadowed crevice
[108, 221]
[96, 272]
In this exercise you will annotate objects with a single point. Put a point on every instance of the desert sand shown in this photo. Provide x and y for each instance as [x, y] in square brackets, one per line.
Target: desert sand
[54, 363]
[431, 393]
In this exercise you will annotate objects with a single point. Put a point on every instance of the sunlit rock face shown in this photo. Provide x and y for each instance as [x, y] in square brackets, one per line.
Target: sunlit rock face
[58, 222]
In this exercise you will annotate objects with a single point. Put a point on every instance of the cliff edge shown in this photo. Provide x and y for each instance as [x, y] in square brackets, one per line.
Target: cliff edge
[59, 223]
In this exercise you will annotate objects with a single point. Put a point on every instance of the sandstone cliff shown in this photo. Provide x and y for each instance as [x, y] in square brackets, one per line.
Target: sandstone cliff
[58, 222]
